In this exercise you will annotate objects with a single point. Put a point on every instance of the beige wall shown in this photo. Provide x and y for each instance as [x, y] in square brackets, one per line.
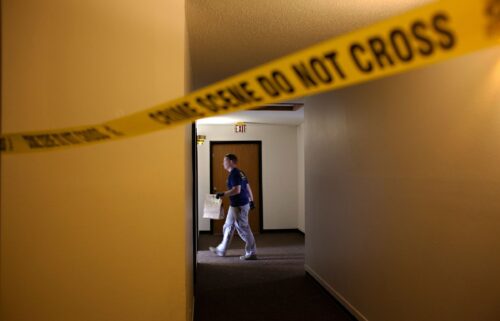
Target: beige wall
[301, 221]
[101, 232]
[402, 193]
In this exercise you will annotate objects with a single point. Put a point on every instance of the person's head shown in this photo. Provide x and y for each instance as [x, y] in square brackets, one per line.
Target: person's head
[230, 162]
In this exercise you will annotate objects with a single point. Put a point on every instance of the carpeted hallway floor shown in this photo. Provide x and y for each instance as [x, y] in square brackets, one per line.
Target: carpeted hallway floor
[273, 288]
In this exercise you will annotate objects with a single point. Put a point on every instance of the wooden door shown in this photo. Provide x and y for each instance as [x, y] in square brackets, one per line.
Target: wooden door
[249, 161]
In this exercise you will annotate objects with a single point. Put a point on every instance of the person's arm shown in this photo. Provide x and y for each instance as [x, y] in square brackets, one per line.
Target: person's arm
[250, 194]
[234, 180]
[250, 197]
[233, 191]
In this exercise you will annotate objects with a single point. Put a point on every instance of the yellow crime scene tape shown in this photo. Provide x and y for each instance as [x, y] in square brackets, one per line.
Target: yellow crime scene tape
[423, 36]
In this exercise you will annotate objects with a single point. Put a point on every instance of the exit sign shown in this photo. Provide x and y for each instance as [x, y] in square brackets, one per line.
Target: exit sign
[240, 127]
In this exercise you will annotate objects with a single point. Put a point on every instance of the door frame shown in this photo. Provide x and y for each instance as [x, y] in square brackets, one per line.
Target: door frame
[194, 170]
[230, 142]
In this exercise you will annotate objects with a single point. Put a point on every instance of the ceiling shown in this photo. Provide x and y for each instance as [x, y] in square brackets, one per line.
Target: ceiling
[229, 36]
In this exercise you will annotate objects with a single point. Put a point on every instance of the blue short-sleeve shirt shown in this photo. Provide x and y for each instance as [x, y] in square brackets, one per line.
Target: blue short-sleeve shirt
[237, 177]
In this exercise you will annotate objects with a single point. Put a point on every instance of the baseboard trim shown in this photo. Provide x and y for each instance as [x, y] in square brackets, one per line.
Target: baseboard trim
[343, 301]
[291, 230]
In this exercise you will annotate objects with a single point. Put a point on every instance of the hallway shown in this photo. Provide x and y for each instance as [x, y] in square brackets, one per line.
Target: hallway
[275, 287]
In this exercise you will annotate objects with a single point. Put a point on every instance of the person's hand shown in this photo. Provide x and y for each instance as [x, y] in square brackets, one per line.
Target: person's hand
[219, 195]
[252, 205]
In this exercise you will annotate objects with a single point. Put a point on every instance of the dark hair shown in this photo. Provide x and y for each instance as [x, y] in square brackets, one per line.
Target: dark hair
[232, 157]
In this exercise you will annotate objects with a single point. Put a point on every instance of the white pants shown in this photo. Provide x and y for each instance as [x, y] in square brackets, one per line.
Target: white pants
[237, 218]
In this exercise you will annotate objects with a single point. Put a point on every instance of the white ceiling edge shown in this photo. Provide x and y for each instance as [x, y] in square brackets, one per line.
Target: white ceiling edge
[257, 117]
[269, 117]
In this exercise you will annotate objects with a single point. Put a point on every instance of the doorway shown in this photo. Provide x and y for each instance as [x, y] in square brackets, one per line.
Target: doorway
[249, 155]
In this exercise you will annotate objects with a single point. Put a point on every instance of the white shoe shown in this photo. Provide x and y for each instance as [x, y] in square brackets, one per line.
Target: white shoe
[216, 251]
[249, 257]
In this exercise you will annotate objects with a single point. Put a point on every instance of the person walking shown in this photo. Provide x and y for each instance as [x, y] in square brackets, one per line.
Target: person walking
[241, 198]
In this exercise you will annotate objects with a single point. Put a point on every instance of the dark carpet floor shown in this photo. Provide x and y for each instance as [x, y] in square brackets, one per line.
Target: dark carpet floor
[273, 288]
